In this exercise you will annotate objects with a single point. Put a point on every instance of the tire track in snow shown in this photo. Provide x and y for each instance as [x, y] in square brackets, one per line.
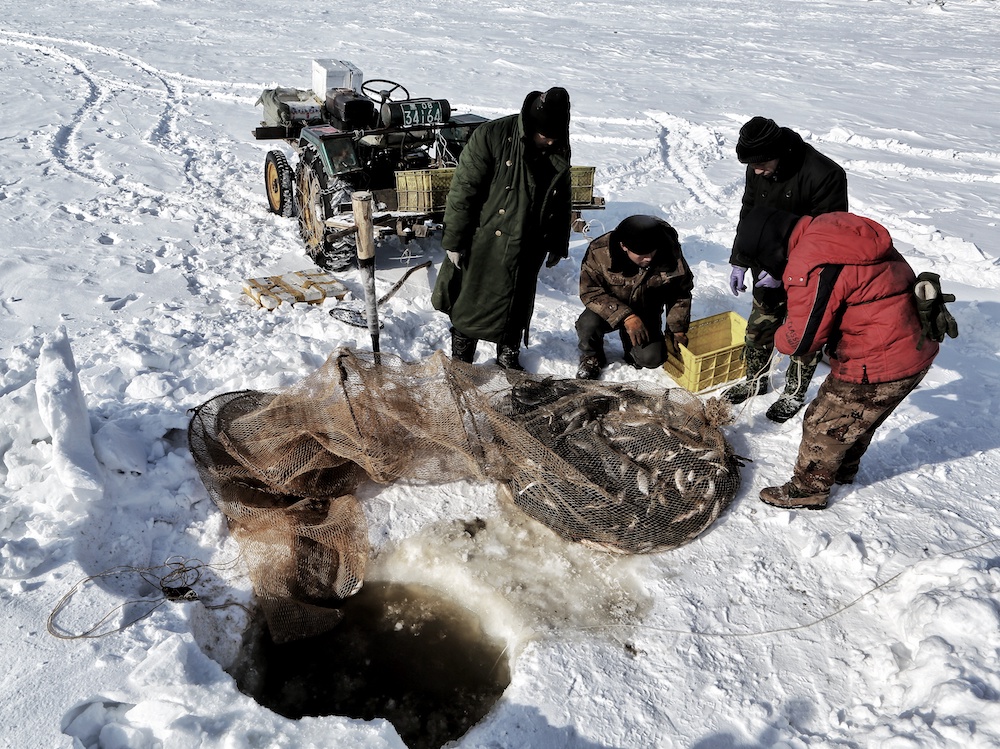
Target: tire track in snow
[213, 190]
[103, 89]
[956, 258]
[168, 94]
[896, 170]
[686, 149]
[64, 147]
[843, 136]
[680, 151]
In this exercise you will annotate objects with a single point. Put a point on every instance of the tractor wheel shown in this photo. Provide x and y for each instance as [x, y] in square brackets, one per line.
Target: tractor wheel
[278, 179]
[328, 250]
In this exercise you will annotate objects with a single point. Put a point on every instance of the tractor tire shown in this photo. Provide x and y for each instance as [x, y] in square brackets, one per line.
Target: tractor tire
[278, 184]
[326, 248]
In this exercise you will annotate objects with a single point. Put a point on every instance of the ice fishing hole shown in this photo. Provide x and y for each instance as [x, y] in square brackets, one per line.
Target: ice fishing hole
[401, 652]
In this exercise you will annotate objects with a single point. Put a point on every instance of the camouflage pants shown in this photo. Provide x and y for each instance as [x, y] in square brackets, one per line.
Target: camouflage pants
[839, 425]
[768, 312]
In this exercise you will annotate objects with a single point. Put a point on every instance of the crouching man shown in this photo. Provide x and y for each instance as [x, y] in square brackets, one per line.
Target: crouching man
[628, 278]
[852, 292]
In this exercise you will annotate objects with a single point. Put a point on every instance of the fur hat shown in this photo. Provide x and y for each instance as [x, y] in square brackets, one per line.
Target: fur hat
[762, 239]
[760, 140]
[548, 114]
[645, 235]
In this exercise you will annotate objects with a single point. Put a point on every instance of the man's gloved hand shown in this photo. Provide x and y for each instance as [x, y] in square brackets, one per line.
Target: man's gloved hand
[455, 257]
[553, 258]
[636, 330]
[736, 276]
[674, 342]
[766, 281]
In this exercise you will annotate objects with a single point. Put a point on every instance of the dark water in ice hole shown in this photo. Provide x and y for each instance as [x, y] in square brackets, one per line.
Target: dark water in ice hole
[401, 652]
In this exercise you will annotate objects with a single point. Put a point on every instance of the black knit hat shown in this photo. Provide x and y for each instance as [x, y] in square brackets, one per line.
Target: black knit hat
[548, 114]
[762, 239]
[760, 140]
[645, 235]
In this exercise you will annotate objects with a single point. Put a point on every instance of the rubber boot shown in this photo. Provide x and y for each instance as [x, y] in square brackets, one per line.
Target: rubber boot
[756, 381]
[589, 369]
[463, 348]
[797, 379]
[508, 357]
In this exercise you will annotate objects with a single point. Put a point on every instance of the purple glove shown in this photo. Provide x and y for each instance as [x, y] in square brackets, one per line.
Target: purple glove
[766, 281]
[736, 276]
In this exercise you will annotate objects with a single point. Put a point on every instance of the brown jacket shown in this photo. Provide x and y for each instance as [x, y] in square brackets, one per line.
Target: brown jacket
[614, 287]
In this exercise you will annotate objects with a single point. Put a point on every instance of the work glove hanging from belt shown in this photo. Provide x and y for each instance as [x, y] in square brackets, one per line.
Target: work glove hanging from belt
[935, 320]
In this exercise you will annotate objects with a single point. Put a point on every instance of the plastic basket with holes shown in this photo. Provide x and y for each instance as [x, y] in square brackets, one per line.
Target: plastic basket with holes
[713, 355]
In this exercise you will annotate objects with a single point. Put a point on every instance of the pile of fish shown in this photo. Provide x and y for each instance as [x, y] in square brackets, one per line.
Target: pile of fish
[635, 473]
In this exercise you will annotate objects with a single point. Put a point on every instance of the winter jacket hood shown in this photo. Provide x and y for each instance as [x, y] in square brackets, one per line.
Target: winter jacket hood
[762, 239]
[850, 291]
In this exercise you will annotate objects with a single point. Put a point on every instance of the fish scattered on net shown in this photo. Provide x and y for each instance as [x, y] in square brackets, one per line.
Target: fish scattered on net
[627, 468]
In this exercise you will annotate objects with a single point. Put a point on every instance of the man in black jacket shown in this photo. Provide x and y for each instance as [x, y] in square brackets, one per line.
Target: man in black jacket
[786, 173]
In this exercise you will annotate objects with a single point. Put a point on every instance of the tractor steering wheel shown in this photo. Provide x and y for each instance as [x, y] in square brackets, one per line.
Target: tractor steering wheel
[386, 94]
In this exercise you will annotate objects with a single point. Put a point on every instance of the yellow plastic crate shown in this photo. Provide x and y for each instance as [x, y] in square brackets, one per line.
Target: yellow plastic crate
[423, 190]
[581, 179]
[713, 355]
[426, 190]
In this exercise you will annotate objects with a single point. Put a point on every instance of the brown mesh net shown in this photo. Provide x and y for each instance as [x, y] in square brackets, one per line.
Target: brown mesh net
[625, 467]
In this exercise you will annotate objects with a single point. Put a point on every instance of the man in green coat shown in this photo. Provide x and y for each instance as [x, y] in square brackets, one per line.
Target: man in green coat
[508, 211]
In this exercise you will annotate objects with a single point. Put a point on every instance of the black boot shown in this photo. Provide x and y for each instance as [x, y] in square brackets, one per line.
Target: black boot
[756, 361]
[508, 357]
[797, 379]
[463, 348]
[589, 369]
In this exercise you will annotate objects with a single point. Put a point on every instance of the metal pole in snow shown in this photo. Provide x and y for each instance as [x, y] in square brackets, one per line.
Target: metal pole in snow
[362, 204]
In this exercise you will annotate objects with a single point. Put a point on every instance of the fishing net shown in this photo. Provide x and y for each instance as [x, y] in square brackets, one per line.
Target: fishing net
[628, 468]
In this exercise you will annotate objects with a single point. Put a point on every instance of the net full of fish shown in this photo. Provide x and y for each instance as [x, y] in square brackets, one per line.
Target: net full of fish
[655, 470]
[629, 468]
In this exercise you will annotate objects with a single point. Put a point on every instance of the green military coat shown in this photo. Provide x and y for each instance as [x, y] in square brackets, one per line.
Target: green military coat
[504, 223]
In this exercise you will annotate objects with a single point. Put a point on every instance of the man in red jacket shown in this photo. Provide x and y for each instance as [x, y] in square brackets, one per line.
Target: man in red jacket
[851, 292]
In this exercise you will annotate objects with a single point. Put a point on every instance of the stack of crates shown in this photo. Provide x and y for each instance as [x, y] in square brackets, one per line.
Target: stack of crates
[713, 355]
[581, 180]
[423, 190]
[426, 190]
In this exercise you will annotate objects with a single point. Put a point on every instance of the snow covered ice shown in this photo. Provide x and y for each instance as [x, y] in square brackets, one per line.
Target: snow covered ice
[132, 208]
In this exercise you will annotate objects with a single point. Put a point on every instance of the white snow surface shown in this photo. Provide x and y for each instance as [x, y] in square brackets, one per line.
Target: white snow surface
[132, 209]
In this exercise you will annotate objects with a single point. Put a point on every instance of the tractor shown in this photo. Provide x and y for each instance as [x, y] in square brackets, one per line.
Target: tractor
[366, 135]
